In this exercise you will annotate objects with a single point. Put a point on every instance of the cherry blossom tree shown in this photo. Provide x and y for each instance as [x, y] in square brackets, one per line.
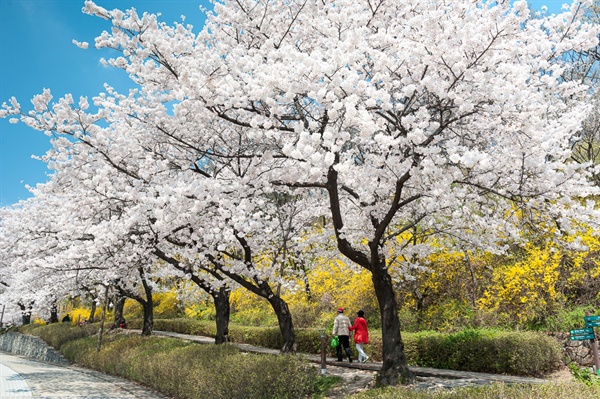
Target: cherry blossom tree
[445, 114]
[449, 115]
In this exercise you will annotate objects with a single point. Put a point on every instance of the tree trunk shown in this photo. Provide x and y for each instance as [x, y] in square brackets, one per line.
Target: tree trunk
[148, 306]
[119, 305]
[93, 311]
[474, 283]
[264, 290]
[222, 309]
[53, 314]
[25, 314]
[286, 326]
[395, 366]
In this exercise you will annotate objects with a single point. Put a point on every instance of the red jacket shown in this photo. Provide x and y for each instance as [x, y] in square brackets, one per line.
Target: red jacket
[361, 332]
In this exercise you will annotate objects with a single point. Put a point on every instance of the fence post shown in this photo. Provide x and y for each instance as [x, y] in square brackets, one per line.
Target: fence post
[101, 329]
[323, 353]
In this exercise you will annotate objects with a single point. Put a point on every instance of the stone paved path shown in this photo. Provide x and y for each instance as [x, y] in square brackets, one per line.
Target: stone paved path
[21, 377]
[12, 383]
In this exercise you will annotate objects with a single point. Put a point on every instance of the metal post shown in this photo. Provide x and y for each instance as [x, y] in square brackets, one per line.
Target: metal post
[323, 353]
[594, 343]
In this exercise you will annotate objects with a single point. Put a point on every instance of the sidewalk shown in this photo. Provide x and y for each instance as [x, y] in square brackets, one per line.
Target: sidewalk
[23, 377]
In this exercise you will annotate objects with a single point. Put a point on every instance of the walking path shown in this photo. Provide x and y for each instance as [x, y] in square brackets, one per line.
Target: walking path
[363, 374]
[21, 377]
[11, 382]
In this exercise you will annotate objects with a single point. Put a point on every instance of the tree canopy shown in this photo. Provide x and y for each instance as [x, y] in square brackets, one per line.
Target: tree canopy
[372, 119]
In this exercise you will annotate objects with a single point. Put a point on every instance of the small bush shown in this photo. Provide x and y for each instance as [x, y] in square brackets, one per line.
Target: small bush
[82, 314]
[28, 328]
[522, 353]
[584, 375]
[567, 319]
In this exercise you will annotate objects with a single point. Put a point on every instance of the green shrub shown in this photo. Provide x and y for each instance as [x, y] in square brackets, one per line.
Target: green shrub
[584, 375]
[27, 328]
[180, 325]
[567, 319]
[517, 353]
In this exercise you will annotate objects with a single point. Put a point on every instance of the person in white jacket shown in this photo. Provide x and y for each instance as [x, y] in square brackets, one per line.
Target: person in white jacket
[341, 328]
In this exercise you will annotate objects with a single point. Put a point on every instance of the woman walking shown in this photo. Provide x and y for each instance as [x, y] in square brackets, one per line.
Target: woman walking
[361, 335]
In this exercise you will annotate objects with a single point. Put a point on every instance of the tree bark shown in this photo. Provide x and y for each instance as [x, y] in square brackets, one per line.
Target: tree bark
[263, 289]
[93, 311]
[102, 319]
[279, 306]
[395, 366]
[25, 314]
[222, 310]
[148, 326]
[145, 300]
[119, 305]
[220, 297]
[286, 325]
[53, 314]
[147, 304]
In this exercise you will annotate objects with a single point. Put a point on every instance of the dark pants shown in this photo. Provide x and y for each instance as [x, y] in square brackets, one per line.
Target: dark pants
[344, 342]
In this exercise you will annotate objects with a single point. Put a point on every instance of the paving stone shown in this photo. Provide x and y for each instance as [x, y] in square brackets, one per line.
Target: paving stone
[12, 384]
[51, 381]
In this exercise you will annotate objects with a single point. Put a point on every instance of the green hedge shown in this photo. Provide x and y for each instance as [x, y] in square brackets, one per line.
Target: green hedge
[307, 340]
[501, 352]
[491, 351]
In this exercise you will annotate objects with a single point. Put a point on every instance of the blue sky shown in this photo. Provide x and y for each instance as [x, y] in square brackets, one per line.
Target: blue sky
[36, 52]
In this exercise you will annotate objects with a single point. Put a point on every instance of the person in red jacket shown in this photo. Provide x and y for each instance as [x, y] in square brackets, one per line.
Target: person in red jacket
[361, 335]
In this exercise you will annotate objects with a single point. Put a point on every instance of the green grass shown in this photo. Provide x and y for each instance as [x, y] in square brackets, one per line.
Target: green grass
[567, 390]
[324, 384]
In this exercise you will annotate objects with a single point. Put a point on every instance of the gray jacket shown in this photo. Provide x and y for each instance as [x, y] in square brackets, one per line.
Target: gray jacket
[341, 325]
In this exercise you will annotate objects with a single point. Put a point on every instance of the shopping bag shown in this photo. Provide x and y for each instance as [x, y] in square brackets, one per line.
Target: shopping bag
[335, 341]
